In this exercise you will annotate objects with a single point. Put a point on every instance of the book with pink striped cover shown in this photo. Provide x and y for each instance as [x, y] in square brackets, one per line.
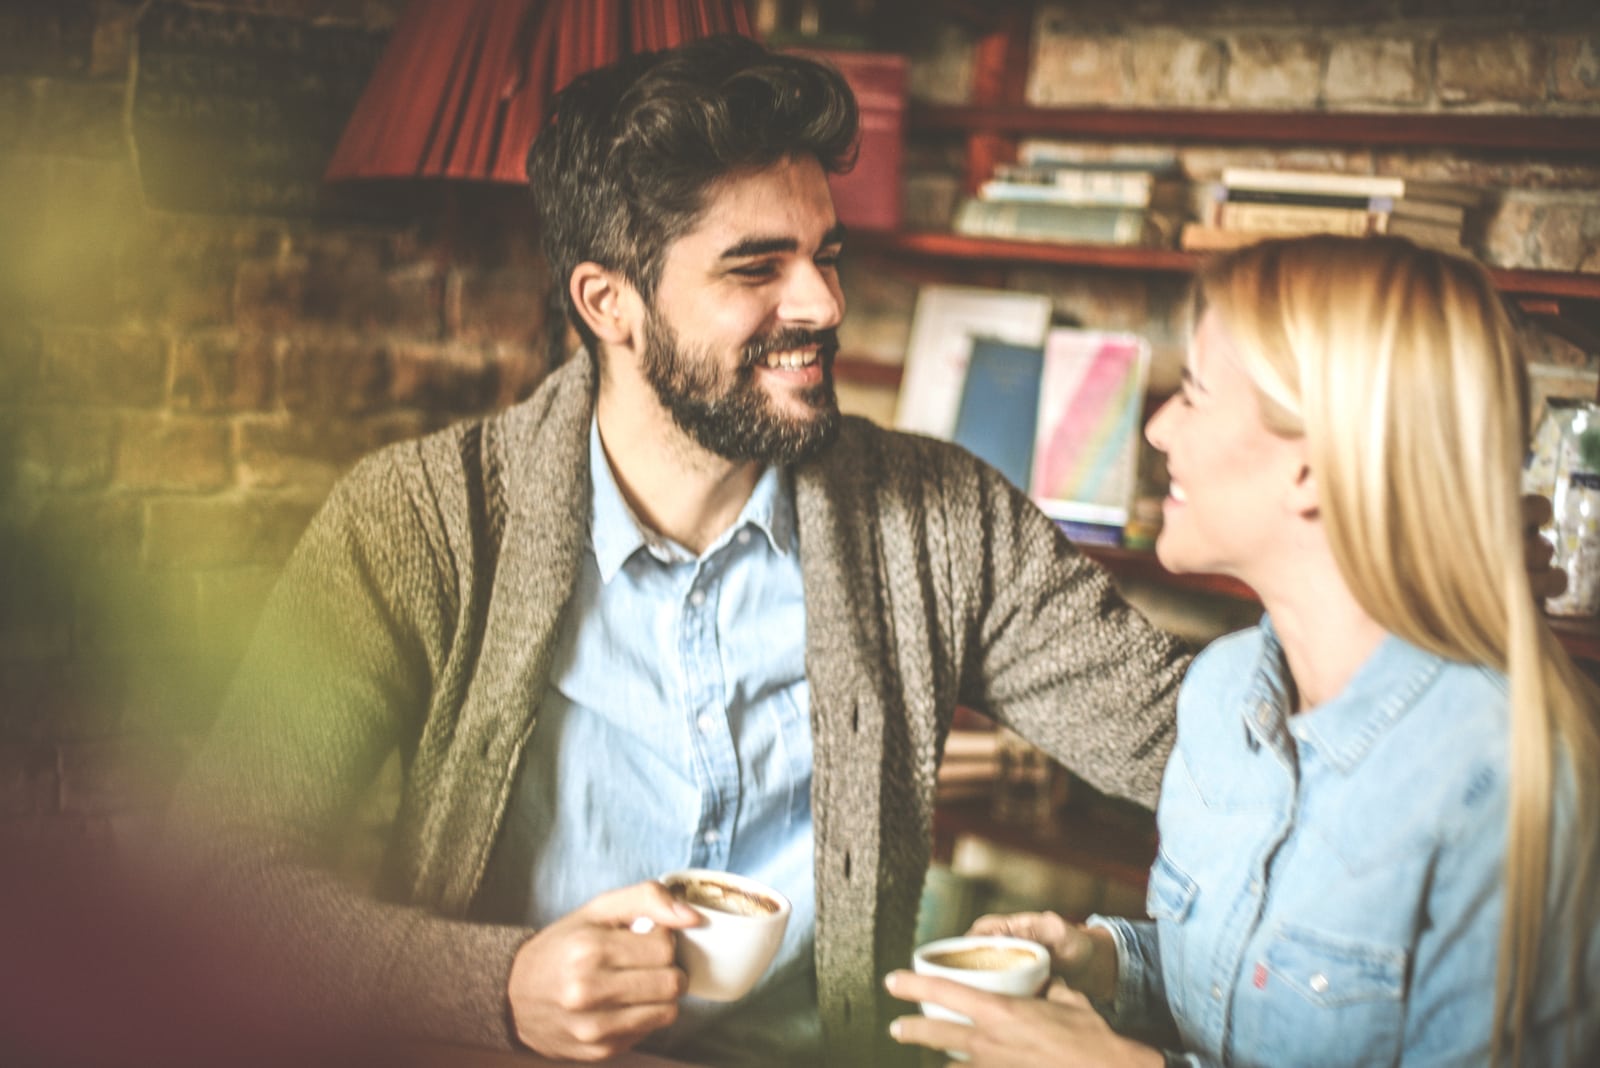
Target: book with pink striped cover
[1086, 443]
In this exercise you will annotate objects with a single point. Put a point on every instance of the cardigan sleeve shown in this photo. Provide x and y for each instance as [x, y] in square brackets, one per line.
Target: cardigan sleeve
[1059, 656]
[337, 679]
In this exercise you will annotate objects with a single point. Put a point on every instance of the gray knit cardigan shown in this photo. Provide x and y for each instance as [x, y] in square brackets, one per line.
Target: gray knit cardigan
[420, 612]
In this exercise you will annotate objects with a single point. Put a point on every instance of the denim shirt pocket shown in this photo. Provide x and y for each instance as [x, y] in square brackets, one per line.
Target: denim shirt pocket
[1169, 899]
[1332, 993]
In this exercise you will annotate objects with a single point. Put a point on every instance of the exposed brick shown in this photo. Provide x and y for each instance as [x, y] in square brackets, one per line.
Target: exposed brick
[112, 45]
[1385, 70]
[36, 612]
[28, 779]
[337, 374]
[1072, 68]
[450, 380]
[1577, 66]
[46, 36]
[45, 700]
[283, 452]
[105, 367]
[270, 294]
[1490, 68]
[1506, 240]
[200, 533]
[78, 119]
[65, 450]
[64, 219]
[19, 358]
[353, 282]
[1274, 71]
[1558, 237]
[214, 372]
[91, 530]
[1176, 70]
[181, 270]
[497, 305]
[181, 453]
[16, 113]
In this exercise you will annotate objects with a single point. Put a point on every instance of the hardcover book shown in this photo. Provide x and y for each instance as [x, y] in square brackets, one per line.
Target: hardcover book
[1044, 221]
[943, 326]
[1000, 406]
[1091, 399]
[1372, 185]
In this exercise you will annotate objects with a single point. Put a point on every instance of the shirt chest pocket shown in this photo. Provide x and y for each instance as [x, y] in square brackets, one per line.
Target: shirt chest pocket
[1321, 998]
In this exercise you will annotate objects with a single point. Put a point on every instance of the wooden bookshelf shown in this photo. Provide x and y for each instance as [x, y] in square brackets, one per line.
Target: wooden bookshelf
[1491, 133]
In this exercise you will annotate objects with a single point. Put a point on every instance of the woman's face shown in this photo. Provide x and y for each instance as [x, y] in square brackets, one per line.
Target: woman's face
[1231, 477]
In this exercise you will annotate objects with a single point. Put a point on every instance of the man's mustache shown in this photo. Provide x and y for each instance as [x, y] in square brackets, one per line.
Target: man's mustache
[792, 337]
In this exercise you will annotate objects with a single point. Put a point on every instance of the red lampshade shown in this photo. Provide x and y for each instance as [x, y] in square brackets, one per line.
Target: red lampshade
[463, 85]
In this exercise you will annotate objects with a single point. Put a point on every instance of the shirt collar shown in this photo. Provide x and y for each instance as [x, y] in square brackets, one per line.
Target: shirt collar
[617, 533]
[1344, 729]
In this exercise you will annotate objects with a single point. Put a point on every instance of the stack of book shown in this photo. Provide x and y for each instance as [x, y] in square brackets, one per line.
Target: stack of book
[1041, 198]
[1250, 204]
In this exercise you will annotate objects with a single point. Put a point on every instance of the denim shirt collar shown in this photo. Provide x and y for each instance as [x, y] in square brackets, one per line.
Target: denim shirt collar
[617, 533]
[1344, 729]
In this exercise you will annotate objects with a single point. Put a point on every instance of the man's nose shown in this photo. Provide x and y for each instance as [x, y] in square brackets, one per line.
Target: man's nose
[812, 297]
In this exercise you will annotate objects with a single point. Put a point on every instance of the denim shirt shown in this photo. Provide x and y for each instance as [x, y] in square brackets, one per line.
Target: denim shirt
[1329, 886]
[676, 733]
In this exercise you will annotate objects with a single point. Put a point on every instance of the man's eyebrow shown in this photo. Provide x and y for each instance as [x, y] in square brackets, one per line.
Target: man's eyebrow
[766, 246]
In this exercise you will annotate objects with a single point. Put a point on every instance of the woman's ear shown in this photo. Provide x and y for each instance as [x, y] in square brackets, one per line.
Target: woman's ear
[1302, 500]
[605, 301]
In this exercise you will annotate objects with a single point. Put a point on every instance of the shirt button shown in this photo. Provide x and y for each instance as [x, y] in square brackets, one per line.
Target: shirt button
[1255, 886]
[743, 537]
[710, 837]
[697, 598]
[706, 722]
[1216, 993]
[1319, 983]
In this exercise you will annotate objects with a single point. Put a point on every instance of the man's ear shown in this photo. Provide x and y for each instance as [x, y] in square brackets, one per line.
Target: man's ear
[605, 301]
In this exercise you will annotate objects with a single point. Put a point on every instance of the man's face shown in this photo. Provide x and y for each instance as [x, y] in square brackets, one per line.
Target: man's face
[739, 343]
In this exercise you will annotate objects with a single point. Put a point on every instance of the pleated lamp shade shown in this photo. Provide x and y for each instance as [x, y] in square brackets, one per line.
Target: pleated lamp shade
[463, 85]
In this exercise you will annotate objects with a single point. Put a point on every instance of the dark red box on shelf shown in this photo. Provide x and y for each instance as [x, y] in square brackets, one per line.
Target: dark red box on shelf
[868, 197]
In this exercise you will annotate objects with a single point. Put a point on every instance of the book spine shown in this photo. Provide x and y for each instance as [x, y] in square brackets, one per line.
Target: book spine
[1110, 188]
[1297, 219]
[1052, 222]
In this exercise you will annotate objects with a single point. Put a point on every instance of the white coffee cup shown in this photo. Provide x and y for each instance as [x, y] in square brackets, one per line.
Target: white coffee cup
[996, 963]
[744, 925]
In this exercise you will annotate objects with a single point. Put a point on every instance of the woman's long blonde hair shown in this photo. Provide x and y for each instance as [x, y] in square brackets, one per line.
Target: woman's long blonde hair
[1400, 368]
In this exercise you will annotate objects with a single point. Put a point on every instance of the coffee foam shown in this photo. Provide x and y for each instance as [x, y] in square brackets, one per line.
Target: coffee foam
[722, 897]
[984, 958]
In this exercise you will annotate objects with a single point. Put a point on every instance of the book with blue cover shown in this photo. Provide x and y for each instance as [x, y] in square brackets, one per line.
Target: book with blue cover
[1000, 406]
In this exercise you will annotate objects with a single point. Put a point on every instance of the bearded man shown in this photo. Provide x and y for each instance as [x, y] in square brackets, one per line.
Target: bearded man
[673, 610]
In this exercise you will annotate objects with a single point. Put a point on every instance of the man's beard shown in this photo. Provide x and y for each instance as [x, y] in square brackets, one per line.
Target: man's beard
[737, 420]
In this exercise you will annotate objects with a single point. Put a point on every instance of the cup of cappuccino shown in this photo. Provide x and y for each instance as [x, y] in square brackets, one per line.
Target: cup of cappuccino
[744, 924]
[996, 963]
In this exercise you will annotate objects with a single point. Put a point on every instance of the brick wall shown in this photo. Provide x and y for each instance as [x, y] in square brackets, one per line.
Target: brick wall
[177, 393]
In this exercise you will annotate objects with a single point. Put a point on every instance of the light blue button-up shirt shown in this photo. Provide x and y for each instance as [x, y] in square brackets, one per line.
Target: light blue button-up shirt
[1329, 888]
[676, 732]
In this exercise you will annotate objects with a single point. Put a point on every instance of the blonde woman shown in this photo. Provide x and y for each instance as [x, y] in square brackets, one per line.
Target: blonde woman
[1379, 823]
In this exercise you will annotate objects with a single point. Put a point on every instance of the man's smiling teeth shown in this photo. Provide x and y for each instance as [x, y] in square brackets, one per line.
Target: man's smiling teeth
[792, 360]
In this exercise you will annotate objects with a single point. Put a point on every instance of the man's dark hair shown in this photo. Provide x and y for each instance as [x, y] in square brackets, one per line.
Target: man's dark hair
[624, 163]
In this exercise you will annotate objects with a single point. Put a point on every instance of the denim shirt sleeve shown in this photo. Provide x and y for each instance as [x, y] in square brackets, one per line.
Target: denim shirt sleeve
[1139, 1007]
